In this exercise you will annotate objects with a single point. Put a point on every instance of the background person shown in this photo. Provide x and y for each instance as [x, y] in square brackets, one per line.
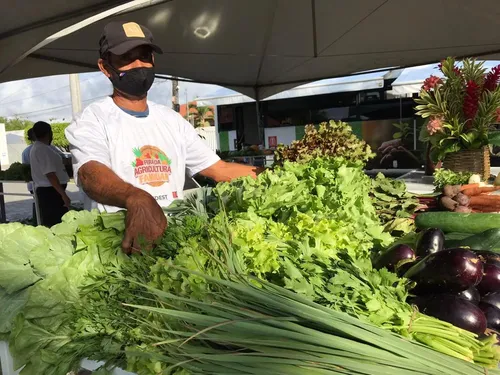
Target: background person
[25, 157]
[49, 177]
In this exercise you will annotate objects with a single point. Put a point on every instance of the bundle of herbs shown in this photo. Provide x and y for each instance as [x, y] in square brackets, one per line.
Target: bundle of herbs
[395, 206]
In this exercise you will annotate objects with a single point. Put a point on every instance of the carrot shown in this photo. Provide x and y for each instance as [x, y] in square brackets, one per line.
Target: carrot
[484, 210]
[485, 199]
[468, 186]
[485, 203]
[471, 192]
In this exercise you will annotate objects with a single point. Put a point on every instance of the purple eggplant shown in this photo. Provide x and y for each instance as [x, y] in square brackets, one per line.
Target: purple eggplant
[488, 257]
[430, 241]
[447, 271]
[490, 282]
[402, 268]
[452, 309]
[492, 299]
[395, 255]
[471, 295]
[492, 315]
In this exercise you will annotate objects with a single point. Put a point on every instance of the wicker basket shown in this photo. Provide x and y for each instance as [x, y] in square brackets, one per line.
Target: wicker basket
[475, 161]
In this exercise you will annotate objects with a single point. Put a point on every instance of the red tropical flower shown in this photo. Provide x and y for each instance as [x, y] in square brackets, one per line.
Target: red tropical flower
[471, 102]
[431, 83]
[492, 78]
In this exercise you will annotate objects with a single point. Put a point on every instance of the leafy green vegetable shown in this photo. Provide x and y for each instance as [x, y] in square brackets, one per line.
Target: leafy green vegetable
[330, 139]
[443, 177]
[44, 276]
[395, 206]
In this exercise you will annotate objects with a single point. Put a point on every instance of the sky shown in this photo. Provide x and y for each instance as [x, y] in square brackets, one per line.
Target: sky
[48, 98]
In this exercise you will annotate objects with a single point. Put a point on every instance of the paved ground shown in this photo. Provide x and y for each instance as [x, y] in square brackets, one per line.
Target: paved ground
[20, 207]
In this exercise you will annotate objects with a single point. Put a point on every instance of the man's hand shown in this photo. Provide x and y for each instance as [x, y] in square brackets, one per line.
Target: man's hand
[66, 200]
[388, 146]
[145, 222]
[223, 171]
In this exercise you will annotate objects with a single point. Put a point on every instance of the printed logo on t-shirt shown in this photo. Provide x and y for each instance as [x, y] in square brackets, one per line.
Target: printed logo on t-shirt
[151, 166]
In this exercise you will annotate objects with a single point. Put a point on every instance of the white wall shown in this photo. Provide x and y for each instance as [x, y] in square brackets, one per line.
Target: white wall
[232, 138]
[4, 152]
[285, 135]
[15, 145]
[208, 135]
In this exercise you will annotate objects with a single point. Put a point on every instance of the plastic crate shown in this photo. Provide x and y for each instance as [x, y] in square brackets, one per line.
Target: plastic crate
[7, 364]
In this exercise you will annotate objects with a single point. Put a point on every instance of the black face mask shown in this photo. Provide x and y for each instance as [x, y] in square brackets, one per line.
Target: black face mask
[134, 82]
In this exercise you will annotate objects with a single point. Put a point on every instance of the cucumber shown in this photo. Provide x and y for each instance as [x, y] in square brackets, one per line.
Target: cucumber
[487, 240]
[458, 222]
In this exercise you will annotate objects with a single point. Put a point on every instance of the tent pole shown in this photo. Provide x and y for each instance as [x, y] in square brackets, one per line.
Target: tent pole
[260, 128]
[400, 109]
[415, 134]
[76, 96]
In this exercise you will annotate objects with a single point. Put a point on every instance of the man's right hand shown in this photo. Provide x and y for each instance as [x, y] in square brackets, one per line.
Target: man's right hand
[145, 221]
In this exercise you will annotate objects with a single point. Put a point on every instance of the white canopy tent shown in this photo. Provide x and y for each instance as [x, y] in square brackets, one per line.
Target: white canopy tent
[25, 24]
[262, 47]
[411, 79]
[367, 81]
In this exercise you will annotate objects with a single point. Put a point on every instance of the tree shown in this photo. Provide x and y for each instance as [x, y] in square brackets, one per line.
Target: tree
[202, 115]
[59, 136]
[16, 123]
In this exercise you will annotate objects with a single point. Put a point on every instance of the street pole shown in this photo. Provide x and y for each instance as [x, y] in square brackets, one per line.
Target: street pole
[175, 95]
[76, 97]
[187, 106]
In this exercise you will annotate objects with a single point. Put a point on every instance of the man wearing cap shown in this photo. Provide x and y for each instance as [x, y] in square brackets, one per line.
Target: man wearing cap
[130, 153]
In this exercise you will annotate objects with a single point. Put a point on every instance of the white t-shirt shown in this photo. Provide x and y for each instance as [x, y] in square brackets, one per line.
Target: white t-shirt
[151, 153]
[25, 158]
[44, 160]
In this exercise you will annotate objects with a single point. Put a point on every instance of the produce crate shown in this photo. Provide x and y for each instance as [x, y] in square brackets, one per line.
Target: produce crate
[7, 364]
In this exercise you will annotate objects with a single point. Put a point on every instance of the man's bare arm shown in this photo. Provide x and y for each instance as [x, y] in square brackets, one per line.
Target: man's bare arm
[224, 171]
[103, 185]
[145, 218]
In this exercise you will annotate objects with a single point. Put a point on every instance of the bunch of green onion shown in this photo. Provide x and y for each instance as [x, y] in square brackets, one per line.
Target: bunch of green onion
[446, 338]
[247, 326]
